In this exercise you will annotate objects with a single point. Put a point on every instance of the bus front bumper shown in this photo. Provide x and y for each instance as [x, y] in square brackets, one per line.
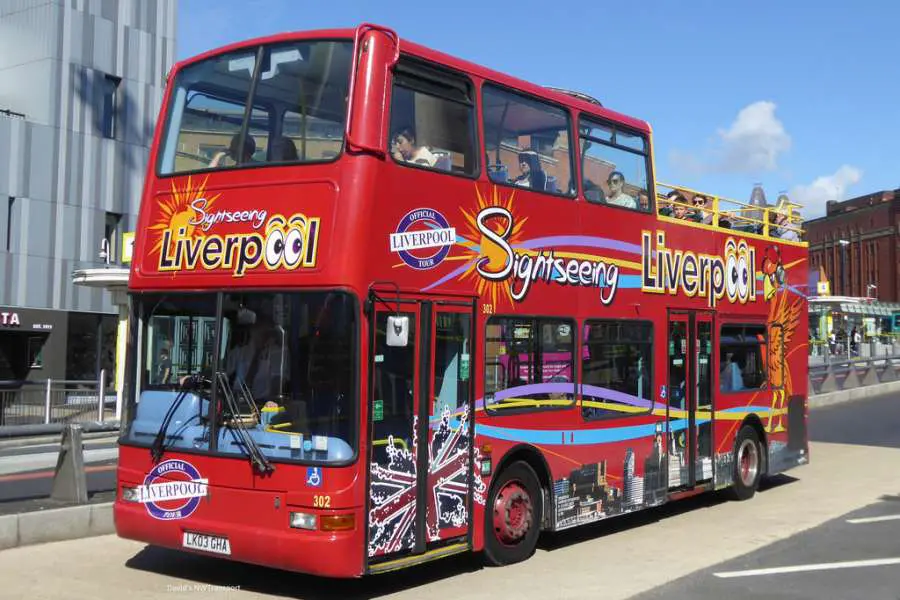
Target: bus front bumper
[269, 542]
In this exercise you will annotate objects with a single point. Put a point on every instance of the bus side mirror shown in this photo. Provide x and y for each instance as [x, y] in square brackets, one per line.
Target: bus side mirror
[398, 331]
[376, 51]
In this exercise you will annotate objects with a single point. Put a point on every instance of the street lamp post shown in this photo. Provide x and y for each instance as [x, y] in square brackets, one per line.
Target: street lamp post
[844, 286]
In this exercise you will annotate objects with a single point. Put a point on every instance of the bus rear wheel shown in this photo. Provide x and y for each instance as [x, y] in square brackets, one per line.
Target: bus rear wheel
[747, 464]
[513, 515]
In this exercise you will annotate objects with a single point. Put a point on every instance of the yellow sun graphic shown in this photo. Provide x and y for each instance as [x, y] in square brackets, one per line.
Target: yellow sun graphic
[175, 212]
[485, 251]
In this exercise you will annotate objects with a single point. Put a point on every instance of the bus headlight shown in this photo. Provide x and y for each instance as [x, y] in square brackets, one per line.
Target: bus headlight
[301, 520]
[130, 494]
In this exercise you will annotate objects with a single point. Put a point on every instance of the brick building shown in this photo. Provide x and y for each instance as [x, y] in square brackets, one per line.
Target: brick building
[857, 243]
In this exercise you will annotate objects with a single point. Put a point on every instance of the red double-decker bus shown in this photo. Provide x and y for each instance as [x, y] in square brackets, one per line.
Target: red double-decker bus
[388, 306]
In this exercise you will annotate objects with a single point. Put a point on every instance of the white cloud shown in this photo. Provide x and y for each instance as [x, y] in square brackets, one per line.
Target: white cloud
[754, 141]
[752, 144]
[824, 188]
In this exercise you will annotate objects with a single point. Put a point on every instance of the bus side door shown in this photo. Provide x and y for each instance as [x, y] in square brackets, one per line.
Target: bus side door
[420, 432]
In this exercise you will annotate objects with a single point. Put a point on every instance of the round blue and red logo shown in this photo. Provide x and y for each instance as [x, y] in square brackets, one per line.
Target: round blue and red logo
[172, 490]
[423, 238]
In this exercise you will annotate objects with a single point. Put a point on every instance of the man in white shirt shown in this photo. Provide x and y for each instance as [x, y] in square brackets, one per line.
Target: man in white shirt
[404, 149]
[616, 183]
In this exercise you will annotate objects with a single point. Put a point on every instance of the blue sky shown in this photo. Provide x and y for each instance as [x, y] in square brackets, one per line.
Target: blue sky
[800, 96]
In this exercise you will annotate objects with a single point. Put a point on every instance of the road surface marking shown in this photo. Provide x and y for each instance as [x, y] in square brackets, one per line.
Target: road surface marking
[874, 519]
[877, 562]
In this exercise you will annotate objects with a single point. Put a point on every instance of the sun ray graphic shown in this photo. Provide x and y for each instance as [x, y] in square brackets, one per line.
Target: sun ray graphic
[483, 250]
[175, 212]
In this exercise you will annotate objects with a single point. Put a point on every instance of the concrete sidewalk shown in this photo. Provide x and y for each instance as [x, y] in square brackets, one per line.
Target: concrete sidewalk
[45, 520]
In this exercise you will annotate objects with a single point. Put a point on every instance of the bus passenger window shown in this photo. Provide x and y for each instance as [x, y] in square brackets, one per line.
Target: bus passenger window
[527, 142]
[529, 364]
[616, 369]
[742, 358]
[614, 166]
[432, 119]
[298, 92]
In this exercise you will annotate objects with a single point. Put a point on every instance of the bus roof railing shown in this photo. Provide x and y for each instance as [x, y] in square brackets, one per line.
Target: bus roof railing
[727, 213]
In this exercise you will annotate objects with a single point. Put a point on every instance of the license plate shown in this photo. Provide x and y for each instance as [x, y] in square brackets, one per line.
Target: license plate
[206, 543]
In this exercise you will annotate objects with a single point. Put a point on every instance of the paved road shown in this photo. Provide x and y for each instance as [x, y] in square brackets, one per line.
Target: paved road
[873, 422]
[101, 477]
[854, 557]
[616, 559]
[841, 551]
[42, 456]
[26, 471]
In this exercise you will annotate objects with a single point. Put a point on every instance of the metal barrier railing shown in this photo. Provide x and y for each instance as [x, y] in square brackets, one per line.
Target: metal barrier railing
[823, 352]
[719, 211]
[843, 374]
[57, 401]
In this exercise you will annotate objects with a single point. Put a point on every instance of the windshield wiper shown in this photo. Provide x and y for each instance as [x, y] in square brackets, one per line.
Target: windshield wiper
[254, 453]
[158, 447]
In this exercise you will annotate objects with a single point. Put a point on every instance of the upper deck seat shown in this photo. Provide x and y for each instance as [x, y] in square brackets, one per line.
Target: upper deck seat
[443, 162]
[498, 173]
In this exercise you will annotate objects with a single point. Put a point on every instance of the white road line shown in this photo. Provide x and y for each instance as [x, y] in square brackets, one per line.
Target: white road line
[877, 562]
[874, 519]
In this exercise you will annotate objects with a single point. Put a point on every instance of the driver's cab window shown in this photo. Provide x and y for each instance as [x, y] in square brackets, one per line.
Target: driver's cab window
[432, 119]
[527, 142]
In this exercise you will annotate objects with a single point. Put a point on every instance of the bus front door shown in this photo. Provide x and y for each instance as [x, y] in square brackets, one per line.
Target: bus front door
[420, 432]
[690, 406]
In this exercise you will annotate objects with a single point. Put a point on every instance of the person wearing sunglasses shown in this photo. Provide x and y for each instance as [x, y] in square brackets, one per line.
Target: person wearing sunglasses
[699, 204]
[617, 196]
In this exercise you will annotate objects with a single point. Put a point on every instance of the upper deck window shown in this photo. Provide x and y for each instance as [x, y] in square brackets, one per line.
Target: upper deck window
[298, 93]
[614, 166]
[527, 142]
[432, 119]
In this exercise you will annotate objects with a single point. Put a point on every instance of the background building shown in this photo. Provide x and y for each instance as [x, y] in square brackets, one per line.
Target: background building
[856, 243]
[80, 87]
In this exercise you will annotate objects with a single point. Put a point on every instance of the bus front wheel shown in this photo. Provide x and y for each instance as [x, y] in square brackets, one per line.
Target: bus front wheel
[513, 515]
[747, 464]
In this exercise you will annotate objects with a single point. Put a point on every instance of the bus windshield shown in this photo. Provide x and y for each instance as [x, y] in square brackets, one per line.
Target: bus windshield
[277, 104]
[286, 359]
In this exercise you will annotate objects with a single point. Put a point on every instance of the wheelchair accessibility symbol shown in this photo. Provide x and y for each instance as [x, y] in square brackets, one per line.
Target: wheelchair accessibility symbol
[314, 476]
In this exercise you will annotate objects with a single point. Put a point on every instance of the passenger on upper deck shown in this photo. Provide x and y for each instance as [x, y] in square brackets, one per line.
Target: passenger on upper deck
[532, 175]
[782, 218]
[404, 149]
[677, 207]
[284, 150]
[700, 203]
[233, 151]
[616, 183]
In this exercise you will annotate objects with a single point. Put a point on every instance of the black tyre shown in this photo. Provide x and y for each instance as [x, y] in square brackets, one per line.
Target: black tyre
[512, 516]
[748, 464]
